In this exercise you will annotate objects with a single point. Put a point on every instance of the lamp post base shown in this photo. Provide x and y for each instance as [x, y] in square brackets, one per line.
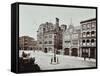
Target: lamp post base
[54, 60]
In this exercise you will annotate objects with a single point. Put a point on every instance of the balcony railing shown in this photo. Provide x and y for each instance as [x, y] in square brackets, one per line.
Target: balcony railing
[89, 44]
[93, 35]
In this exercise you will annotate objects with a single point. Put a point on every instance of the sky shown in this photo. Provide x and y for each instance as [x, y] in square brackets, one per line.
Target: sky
[31, 16]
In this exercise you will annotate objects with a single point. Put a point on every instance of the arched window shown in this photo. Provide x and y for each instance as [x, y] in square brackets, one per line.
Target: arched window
[93, 24]
[83, 27]
[88, 33]
[40, 42]
[83, 41]
[44, 29]
[92, 41]
[87, 41]
[83, 33]
[92, 32]
[88, 25]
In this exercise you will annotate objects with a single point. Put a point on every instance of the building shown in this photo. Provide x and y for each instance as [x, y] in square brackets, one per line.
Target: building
[49, 37]
[88, 38]
[71, 37]
[27, 43]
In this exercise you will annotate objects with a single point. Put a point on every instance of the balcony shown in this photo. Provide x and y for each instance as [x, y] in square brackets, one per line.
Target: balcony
[88, 44]
[84, 36]
[93, 35]
[93, 44]
[84, 44]
[88, 35]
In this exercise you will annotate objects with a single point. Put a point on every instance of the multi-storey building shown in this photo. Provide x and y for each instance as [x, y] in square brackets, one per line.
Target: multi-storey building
[49, 37]
[71, 41]
[88, 38]
[27, 43]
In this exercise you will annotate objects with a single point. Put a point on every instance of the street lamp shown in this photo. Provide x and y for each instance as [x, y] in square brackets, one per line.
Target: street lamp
[55, 47]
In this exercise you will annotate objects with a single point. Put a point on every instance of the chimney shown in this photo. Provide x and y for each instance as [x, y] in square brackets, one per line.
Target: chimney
[57, 21]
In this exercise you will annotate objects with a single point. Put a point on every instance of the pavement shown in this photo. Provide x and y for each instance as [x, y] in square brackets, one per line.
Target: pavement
[64, 61]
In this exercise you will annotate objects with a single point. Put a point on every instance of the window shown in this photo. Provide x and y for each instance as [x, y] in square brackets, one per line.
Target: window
[50, 36]
[25, 40]
[45, 36]
[88, 33]
[40, 48]
[92, 41]
[25, 44]
[75, 42]
[67, 41]
[50, 42]
[50, 49]
[45, 42]
[84, 35]
[40, 42]
[83, 27]
[83, 41]
[44, 29]
[93, 33]
[93, 25]
[75, 35]
[40, 37]
[88, 26]
[67, 37]
[88, 41]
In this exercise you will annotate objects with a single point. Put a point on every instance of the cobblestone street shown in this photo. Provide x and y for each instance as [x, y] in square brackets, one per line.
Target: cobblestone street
[65, 62]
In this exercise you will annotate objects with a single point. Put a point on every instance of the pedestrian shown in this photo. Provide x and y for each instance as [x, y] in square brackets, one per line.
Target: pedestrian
[51, 60]
[84, 56]
[57, 60]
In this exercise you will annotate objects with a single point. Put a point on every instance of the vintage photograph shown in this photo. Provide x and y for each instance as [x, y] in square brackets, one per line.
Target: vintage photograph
[55, 38]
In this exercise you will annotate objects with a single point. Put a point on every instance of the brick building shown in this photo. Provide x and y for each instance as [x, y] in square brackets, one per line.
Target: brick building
[27, 43]
[49, 37]
[88, 38]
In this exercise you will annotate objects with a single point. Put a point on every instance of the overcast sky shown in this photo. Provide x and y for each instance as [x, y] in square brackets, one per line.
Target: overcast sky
[31, 16]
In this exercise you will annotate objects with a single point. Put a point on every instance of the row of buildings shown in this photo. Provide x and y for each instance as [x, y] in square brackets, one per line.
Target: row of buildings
[68, 40]
[27, 43]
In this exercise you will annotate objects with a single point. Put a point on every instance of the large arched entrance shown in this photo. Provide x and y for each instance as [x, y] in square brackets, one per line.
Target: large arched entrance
[45, 50]
[92, 52]
[66, 51]
[74, 52]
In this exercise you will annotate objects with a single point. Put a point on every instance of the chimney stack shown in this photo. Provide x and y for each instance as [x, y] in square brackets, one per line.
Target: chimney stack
[57, 21]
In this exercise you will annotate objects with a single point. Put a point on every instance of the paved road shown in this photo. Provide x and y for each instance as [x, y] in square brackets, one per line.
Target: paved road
[65, 62]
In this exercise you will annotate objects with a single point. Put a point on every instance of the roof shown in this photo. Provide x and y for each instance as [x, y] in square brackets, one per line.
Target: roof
[92, 19]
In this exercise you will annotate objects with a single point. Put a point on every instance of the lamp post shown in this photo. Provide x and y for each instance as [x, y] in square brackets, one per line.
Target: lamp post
[54, 60]
[55, 47]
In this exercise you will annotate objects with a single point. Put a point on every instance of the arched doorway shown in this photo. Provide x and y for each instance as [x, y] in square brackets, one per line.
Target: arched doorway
[45, 50]
[74, 52]
[66, 51]
[92, 52]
